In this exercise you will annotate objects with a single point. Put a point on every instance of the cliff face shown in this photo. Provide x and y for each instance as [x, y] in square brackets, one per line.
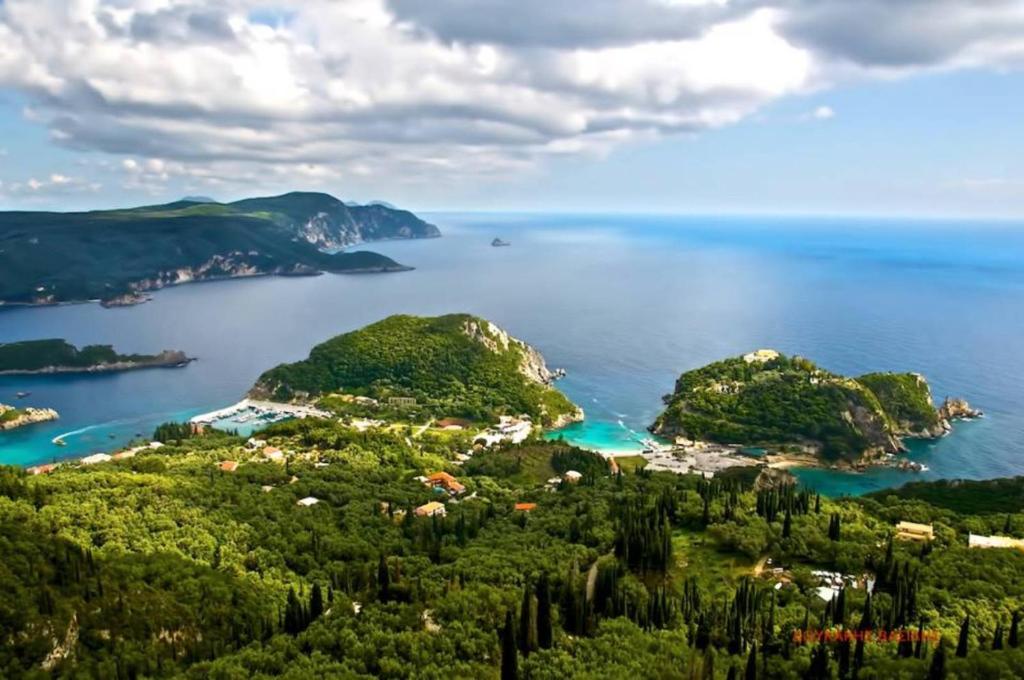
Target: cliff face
[11, 418]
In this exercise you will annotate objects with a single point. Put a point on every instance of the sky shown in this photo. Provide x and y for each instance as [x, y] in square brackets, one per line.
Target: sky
[910, 108]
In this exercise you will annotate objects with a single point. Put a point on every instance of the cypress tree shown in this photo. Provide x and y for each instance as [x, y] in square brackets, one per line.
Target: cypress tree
[316, 602]
[997, 637]
[383, 577]
[965, 631]
[527, 622]
[787, 525]
[1014, 639]
[509, 660]
[937, 670]
[544, 632]
[751, 673]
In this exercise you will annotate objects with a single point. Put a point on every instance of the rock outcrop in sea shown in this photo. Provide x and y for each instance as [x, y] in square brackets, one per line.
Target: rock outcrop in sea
[12, 418]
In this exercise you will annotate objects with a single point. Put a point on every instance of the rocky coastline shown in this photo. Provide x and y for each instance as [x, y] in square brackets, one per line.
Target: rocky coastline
[165, 359]
[12, 418]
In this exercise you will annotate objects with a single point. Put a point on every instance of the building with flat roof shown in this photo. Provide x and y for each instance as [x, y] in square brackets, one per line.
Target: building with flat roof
[431, 509]
[975, 541]
[912, 531]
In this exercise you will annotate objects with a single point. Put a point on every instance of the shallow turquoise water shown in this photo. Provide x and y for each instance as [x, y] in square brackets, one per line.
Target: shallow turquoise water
[623, 303]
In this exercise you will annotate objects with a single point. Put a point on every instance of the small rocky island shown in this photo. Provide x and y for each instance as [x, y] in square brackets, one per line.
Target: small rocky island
[58, 356]
[11, 418]
[788, 405]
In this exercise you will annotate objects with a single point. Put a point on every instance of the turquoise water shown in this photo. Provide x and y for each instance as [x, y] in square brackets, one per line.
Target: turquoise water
[624, 303]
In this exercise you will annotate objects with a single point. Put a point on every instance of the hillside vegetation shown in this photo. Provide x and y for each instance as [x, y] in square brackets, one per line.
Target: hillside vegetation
[790, 401]
[164, 565]
[454, 365]
[58, 257]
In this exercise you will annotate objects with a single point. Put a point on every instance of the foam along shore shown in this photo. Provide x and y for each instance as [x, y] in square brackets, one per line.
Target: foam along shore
[258, 411]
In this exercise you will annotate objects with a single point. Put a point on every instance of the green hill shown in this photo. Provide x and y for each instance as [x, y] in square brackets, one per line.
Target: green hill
[58, 257]
[771, 399]
[455, 365]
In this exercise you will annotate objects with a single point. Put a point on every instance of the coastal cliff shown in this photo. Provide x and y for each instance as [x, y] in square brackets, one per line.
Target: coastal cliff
[58, 356]
[11, 418]
[116, 256]
[765, 398]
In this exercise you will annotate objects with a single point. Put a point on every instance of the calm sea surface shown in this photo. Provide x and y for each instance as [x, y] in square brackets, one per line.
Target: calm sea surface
[623, 303]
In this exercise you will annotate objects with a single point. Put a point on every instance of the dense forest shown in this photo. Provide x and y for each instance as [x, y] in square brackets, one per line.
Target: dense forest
[168, 564]
[438, 361]
[791, 401]
[57, 257]
[37, 355]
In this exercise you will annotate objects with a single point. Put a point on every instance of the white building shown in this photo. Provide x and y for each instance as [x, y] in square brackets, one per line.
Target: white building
[95, 458]
[308, 501]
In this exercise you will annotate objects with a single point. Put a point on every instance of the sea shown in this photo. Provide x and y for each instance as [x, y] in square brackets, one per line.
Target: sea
[624, 303]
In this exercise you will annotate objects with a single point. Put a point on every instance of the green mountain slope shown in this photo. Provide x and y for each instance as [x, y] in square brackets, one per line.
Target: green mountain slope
[58, 257]
[455, 365]
[170, 565]
[777, 400]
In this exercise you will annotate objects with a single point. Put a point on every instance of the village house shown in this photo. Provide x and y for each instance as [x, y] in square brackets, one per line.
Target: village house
[41, 469]
[273, 453]
[975, 541]
[572, 476]
[912, 531]
[254, 443]
[307, 501]
[431, 509]
[402, 402]
[445, 482]
[229, 465]
[96, 458]
[524, 507]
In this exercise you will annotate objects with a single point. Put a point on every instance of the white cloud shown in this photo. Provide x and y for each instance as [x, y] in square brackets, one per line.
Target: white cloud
[412, 91]
[55, 185]
[823, 113]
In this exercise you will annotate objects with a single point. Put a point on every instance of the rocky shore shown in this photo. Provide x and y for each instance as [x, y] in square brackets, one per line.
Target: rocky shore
[165, 359]
[11, 418]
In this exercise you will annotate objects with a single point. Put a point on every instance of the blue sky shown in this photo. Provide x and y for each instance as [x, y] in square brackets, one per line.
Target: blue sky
[784, 108]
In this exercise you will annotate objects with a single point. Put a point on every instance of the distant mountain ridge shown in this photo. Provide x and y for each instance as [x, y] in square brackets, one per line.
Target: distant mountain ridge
[117, 255]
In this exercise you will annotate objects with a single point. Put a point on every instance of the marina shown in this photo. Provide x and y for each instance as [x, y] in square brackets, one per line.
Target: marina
[250, 415]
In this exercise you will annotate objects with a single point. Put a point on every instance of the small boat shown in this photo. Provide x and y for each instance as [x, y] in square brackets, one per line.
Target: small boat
[22, 395]
[60, 442]
[498, 243]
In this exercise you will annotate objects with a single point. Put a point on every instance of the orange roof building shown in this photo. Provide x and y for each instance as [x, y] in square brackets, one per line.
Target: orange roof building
[229, 466]
[42, 469]
[431, 509]
[445, 481]
[525, 507]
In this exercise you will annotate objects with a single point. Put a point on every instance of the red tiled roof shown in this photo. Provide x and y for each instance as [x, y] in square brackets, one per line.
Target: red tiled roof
[525, 507]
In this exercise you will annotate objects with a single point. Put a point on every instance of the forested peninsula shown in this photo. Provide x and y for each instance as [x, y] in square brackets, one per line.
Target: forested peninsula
[116, 256]
[456, 365]
[765, 398]
[59, 356]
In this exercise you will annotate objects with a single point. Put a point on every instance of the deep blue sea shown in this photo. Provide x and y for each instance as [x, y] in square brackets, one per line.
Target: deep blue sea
[624, 303]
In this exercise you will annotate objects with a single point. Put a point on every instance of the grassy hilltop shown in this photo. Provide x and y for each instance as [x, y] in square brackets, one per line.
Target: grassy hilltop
[779, 400]
[58, 257]
[454, 365]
